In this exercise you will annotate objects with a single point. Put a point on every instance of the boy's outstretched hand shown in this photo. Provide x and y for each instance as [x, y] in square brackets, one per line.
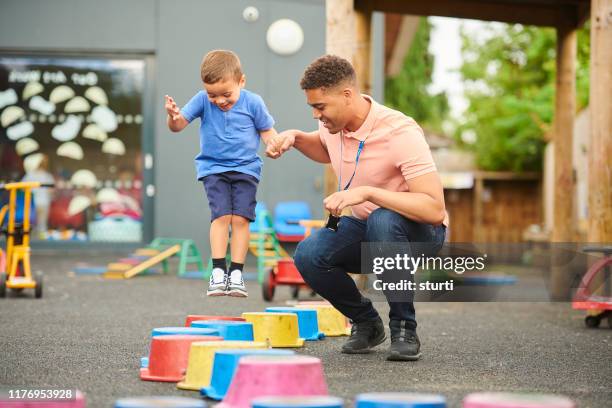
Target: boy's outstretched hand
[176, 122]
[171, 108]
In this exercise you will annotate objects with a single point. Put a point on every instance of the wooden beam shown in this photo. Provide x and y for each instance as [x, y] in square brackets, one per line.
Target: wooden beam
[600, 150]
[362, 58]
[565, 110]
[339, 40]
[506, 12]
[408, 28]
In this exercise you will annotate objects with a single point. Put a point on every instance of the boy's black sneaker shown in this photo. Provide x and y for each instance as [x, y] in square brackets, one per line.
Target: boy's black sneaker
[364, 336]
[405, 344]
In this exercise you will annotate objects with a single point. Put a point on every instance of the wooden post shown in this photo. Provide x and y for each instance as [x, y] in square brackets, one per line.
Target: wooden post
[362, 58]
[348, 35]
[600, 151]
[339, 40]
[565, 110]
[478, 212]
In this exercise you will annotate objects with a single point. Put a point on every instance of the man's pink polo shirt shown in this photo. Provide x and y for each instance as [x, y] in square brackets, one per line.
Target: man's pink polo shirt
[395, 151]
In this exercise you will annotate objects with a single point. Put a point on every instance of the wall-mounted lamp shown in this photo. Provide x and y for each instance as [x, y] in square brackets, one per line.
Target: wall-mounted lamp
[285, 37]
[250, 14]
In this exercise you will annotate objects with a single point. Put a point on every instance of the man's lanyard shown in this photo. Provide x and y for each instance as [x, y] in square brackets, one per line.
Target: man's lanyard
[359, 150]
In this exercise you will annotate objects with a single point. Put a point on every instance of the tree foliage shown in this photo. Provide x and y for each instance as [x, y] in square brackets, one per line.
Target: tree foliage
[407, 92]
[509, 76]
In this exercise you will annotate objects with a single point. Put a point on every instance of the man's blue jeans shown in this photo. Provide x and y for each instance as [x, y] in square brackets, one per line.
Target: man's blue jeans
[325, 257]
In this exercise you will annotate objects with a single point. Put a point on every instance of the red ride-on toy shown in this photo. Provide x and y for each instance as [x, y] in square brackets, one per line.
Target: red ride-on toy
[284, 273]
[600, 307]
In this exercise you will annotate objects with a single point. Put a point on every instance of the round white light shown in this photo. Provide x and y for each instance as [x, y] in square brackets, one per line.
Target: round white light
[250, 14]
[285, 37]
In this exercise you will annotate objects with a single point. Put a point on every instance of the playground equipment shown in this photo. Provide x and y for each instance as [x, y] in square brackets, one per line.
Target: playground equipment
[160, 250]
[516, 400]
[282, 271]
[17, 274]
[279, 329]
[399, 400]
[193, 318]
[598, 306]
[201, 355]
[284, 213]
[259, 376]
[298, 402]
[224, 366]
[155, 402]
[168, 357]
[308, 324]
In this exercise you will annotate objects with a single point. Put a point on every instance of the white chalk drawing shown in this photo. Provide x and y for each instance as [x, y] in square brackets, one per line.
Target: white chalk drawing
[31, 162]
[77, 104]
[32, 88]
[93, 132]
[70, 150]
[10, 115]
[78, 204]
[105, 118]
[108, 195]
[26, 146]
[84, 178]
[60, 94]
[113, 146]
[7, 98]
[67, 130]
[20, 131]
[96, 95]
[38, 104]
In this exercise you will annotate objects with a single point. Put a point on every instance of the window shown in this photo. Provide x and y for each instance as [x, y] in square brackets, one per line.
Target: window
[78, 122]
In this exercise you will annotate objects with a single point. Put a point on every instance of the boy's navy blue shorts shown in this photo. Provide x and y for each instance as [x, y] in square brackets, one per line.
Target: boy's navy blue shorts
[231, 192]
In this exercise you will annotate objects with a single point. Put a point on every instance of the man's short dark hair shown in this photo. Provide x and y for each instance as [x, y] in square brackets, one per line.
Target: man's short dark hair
[327, 72]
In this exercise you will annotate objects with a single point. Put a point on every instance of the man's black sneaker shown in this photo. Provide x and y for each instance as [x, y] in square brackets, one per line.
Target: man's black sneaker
[405, 344]
[364, 336]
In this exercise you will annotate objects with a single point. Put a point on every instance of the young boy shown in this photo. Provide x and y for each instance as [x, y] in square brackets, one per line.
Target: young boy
[232, 120]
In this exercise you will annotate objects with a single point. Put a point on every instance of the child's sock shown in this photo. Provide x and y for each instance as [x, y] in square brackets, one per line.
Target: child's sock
[219, 263]
[235, 266]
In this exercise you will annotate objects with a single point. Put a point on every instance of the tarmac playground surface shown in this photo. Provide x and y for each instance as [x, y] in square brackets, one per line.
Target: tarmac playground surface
[89, 333]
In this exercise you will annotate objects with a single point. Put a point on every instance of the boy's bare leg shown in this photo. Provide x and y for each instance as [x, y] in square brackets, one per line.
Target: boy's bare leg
[219, 233]
[240, 238]
[239, 248]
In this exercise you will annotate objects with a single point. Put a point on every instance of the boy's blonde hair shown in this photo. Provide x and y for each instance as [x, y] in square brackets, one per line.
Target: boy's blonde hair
[220, 64]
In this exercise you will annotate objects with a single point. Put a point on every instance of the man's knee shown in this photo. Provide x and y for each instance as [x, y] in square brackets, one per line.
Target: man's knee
[310, 257]
[384, 225]
[303, 256]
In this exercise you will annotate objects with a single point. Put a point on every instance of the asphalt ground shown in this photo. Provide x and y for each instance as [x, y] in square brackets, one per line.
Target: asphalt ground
[88, 333]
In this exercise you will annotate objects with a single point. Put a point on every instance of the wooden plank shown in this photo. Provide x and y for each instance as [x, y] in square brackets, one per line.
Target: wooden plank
[565, 108]
[152, 261]
[563, 189]
[339, 40]
[362, 58]
[146, 252]
[600, 151]
[507, 175]
[118, 266]
[531, 13]
[407, 29]
[478, 211]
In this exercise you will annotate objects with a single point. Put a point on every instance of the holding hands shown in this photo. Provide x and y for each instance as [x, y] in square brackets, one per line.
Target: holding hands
[280, 143]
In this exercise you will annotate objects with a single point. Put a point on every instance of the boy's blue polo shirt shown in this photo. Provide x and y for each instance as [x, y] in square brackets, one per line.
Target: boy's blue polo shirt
[229, 140]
